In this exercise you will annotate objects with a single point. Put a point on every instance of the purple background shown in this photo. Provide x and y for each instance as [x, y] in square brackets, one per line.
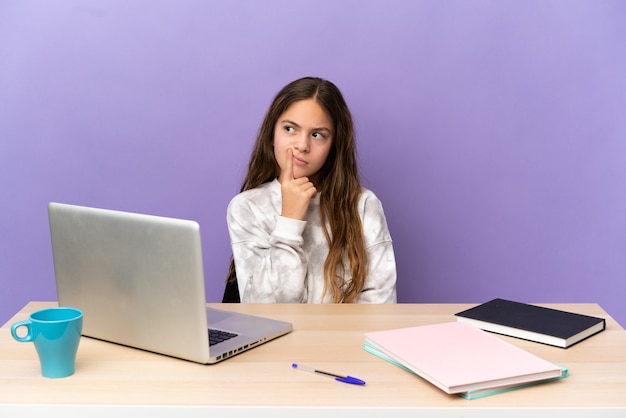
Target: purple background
[494, 132]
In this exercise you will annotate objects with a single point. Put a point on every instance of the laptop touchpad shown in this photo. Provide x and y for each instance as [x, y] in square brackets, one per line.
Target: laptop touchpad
[215, 315]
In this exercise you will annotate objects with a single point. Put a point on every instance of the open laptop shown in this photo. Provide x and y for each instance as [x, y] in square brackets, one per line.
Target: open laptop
[139, 281]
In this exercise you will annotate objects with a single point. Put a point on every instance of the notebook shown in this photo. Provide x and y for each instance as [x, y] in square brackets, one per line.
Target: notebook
[139, 281]
[470, 394]
[531, 322]
[458, 357]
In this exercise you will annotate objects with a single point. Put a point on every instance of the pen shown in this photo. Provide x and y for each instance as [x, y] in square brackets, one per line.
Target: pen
[339, 378]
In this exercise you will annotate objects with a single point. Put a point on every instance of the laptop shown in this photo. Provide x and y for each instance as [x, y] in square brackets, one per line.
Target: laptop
[139, 281]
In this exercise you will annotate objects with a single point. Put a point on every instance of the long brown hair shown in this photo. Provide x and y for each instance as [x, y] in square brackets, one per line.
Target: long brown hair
[339, 184]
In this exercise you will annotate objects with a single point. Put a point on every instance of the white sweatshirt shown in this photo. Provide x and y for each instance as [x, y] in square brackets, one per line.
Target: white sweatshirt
[281, 260]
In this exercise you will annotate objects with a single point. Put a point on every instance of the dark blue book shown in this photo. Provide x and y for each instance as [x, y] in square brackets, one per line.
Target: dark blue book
[531, 322]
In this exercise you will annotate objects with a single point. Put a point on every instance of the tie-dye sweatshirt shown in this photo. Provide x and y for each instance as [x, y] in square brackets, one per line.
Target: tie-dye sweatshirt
[281, 260]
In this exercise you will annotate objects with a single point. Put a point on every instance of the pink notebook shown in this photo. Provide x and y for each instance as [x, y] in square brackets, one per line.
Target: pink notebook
[457, 357]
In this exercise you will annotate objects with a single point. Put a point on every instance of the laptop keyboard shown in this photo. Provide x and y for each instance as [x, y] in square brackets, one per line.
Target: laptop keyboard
[217, 336]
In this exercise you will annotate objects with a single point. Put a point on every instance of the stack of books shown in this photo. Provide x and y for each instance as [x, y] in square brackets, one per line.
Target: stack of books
[462, 358]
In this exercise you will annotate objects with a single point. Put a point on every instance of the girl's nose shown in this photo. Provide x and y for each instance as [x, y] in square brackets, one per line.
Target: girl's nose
[302, 143]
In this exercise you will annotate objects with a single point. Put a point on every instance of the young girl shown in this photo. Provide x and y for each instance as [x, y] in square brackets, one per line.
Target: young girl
[303, 229]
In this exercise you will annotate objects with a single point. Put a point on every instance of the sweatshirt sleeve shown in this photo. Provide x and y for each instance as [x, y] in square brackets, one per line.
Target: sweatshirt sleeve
[380, 284]
[267, 249]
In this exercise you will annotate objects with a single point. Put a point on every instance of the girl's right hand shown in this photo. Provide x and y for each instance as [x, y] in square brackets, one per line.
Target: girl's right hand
[296, 192]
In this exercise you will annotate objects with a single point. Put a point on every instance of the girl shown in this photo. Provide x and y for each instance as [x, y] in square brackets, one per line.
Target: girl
[303, 229]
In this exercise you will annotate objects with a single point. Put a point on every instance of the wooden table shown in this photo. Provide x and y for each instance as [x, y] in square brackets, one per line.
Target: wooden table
[113, 380]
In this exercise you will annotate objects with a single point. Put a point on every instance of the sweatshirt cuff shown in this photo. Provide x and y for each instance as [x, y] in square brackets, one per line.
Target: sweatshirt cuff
[289, 228]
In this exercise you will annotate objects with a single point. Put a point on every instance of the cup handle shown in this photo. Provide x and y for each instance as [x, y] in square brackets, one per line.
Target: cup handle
[28, 337]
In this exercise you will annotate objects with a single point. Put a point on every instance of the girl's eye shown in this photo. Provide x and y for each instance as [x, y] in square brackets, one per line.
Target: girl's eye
[318, 135]
[289, 129]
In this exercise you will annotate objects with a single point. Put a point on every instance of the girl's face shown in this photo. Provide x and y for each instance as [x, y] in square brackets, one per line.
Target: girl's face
[306, 130]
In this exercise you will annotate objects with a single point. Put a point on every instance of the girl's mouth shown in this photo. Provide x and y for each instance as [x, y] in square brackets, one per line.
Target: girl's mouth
[298, 161]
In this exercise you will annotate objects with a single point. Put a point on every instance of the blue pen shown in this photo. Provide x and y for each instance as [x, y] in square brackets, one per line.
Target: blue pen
[339, 378]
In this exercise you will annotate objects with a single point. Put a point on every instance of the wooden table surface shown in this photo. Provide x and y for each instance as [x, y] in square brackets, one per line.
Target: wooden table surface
[328, 337]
